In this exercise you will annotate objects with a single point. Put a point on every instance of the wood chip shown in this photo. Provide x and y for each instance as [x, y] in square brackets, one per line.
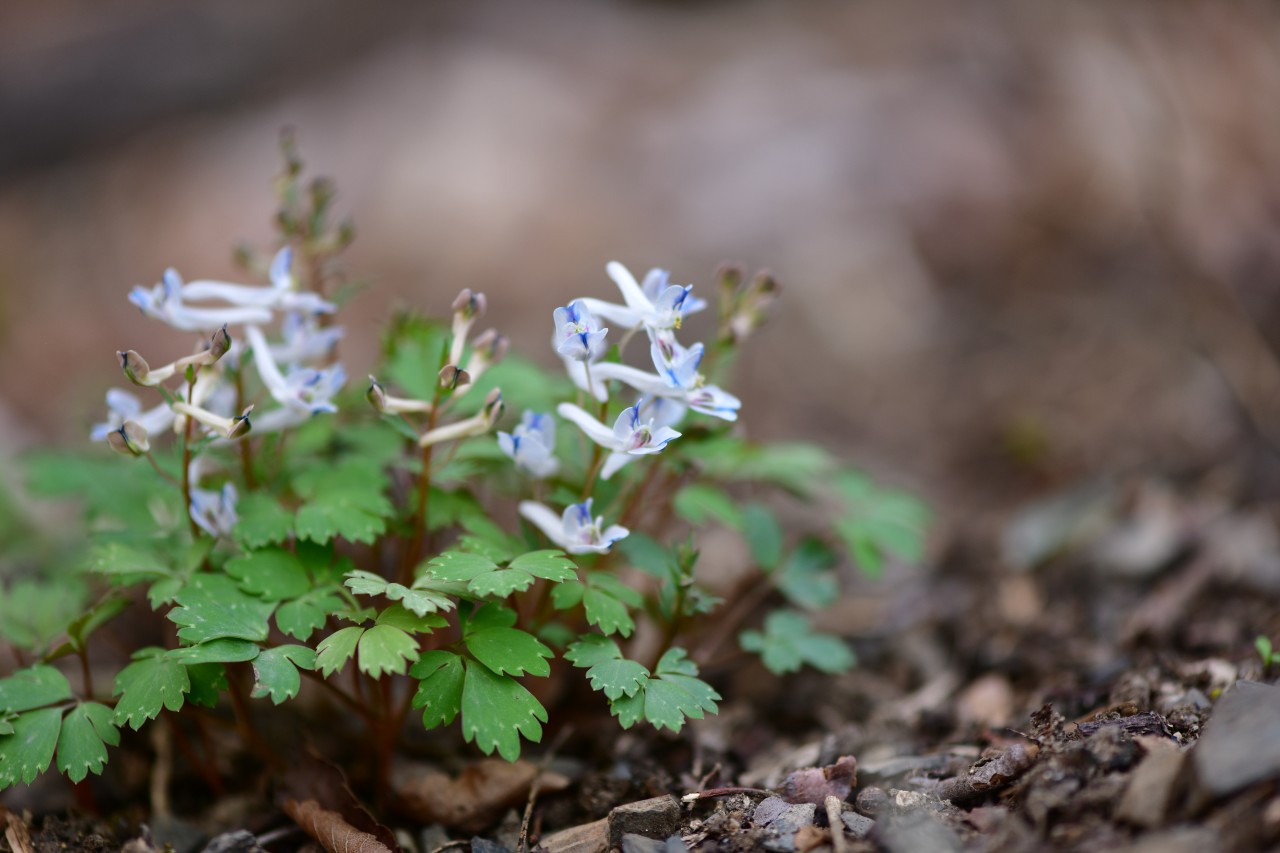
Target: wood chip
[587, 838]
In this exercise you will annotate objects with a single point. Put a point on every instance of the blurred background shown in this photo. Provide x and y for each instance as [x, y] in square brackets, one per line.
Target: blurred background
[1020, 243]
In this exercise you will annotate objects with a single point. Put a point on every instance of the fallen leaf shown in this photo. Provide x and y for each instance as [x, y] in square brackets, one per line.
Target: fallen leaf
[16, 832]
[477, 797]
[328, 828]
[815, 784]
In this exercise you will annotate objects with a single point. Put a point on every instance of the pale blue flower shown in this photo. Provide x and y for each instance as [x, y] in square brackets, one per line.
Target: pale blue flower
[532, 444]
[123, 406]
[631, 435]
[304, 389]
[304, 339]
[165, 302]
[579, 335]
[574, 531]
[661, 412]
[281, 295]
[657, 305]
[214, 512]
[677, 379]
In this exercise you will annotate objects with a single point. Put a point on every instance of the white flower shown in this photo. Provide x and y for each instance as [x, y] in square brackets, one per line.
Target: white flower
[575, 531]
[165, 302]
[661, 412]
[677, 378]
[123, 406]
[305, 389]
[304, 339]
[579, 335]
[279, 296]
[657, 305]
[532, 444]
[215, 512]
[630, 435]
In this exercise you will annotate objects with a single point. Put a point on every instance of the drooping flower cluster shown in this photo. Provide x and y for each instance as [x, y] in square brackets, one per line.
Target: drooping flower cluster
[657, 308]
[209, 383]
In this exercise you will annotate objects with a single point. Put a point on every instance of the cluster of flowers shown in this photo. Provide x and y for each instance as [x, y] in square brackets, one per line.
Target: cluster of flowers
[208, 393]
[664, 396]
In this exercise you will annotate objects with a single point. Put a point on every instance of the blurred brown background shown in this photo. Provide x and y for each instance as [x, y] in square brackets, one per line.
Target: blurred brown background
[1020, 242]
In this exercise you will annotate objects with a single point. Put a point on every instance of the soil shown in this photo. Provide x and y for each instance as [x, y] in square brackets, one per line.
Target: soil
[1082, 677]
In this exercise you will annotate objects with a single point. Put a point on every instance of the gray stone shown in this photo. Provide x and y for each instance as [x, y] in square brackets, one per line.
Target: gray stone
[1241, 743]
[655, 818]
[239, 841]
[781, 829]
[915, 832]
[632, 843]
[1153, 785]
[768, 810]
[484, 845]
[178, 834]
[859, 826]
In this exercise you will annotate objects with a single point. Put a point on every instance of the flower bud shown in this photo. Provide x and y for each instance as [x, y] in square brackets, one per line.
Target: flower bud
[135, 367]
[491, 345]
[452, 376]
[376, 395]
[493, 407]
[469, 305]
[240, 425]
[220, 344]
[130, 439]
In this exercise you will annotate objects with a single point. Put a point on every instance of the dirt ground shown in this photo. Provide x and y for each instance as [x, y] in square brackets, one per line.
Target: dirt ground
[1031, 270]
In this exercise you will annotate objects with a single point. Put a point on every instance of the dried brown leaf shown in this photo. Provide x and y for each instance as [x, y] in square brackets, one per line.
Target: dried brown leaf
[477, 797]
[16, 832]
[815, 784]
[328, 828]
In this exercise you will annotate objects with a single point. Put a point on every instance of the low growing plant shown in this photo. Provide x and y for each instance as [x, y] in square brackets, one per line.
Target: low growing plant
[428, 542]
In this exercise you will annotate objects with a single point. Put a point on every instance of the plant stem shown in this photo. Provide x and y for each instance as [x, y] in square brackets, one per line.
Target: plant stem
[246, 451]
[186, 465]
[244, 722]
[86, 675]
[341, 695]
[161, 471]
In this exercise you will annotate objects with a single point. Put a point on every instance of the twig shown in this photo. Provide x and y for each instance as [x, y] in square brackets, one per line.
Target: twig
[839, 844]
[523, 844]
[724, 792]
[452, 845]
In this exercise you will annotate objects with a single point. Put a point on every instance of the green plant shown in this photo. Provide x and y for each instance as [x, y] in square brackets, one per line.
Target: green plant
[1269, 656]
[288, 532]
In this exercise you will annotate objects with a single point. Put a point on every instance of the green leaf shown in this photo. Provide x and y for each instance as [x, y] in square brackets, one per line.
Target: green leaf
[28, 752]
[701, 501]
[386, 649]
[82, 746]
[272, 574]
[568, 594]
[796, 467]
[321, 522]
[440, 691]
[398, 616]
[789, 642]
[606, 612]
[33, 613]
[420, 600]
[552, 565]
[304, 615]
[33, 687]
[336, 649]
[607, 670]
[509, 651]
[121, 559]
[497, 711]
[212, 606]
[261, 521]
[98, 615]
[460, 566]
[647, 555]
[215, 651]
[763, 534]
[671, 695]
[880, 522]
[275, 672]
[806, 579]
[148, 684]
[208, 680]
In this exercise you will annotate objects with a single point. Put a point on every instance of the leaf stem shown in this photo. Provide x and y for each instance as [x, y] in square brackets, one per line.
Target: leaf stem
[246, 451]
